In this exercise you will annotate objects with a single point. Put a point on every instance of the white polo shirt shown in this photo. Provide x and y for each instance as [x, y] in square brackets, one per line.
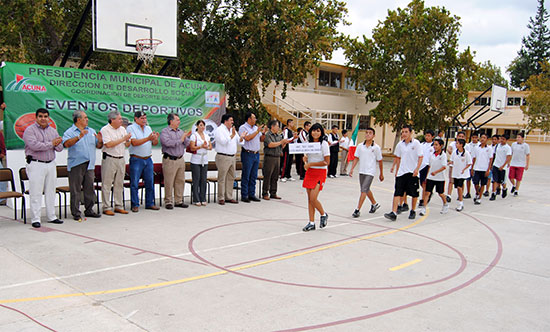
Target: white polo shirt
[317, 157]
[224, 143]
[483, 157]
[501, 152]
[519, 154]
[368, 157]
[470, 147]
[436, 162]
[428, 150]
[460, 161]
[409, 154]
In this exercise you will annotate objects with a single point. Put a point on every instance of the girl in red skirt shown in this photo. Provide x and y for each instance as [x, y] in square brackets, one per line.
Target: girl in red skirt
[315, 165]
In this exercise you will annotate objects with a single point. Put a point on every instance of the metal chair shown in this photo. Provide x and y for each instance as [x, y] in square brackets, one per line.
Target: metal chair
[6, 175]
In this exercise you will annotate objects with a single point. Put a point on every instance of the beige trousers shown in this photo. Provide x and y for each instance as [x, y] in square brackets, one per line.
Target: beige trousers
[174, 180]
[226, 176]
[112, 176]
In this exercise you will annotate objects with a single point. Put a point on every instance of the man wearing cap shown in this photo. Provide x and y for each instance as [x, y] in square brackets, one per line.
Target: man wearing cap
[113, 166]
[81, 141]
[141, 163]
[41, 143]
[173, 141]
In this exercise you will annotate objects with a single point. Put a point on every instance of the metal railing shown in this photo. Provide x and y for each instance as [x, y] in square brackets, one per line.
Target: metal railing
[541, 138]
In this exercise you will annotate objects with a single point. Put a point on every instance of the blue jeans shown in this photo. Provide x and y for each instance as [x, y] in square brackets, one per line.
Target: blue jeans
[142, 168]
[250, 161]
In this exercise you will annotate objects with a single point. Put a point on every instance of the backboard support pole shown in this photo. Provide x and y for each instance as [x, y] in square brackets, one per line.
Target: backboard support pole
[76, 33]
[138, 66]
[86, 57]
[165, 67]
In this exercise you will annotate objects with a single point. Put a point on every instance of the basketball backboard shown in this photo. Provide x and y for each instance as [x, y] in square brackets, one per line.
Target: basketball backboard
[498, 98]
[117, 24]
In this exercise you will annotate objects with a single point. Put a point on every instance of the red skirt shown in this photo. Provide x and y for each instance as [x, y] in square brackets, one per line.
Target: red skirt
[313, 177]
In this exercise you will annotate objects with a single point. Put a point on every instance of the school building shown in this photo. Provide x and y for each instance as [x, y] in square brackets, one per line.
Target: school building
[329, 97]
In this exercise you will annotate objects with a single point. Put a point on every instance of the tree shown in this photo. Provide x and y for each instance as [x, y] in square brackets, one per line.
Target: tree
[537, 110]
[412, 67]
[486, 75]
[535, 49]
[245, 44]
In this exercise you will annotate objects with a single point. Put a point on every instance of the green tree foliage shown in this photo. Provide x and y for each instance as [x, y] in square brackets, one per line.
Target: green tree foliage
[245, 44]
[485, 76]
[412, 67]
[537, 110]
[535, 49]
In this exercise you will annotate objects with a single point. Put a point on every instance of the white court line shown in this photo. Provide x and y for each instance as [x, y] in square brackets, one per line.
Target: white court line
[166, 258]
[514, 219]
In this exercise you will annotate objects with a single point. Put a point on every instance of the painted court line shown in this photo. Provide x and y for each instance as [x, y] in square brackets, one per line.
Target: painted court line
[514, 219]
[213, 274]
[404, 265]
[117, 267]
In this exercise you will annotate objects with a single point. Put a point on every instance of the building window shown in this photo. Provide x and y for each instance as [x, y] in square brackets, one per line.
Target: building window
[349, 122]
[514, 101]
[512, 133]
[330, 79]
[364, 122]
[350, 84]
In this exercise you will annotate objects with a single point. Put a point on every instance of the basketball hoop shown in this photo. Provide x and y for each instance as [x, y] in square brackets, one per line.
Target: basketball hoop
[146, 49]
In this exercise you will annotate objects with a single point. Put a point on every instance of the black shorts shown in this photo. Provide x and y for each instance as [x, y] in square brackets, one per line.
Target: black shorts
[423, 174]
[406, 183]
[439, 186]
[499, 176]
[479, 176]
[459, 183]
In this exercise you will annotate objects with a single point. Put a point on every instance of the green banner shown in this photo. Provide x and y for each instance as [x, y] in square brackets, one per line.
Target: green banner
[64, 90]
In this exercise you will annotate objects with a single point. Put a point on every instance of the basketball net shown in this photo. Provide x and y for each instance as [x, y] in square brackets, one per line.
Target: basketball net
[146, 49]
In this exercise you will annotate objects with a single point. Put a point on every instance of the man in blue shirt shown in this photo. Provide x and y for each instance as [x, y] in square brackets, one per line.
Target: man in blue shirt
[250, 156]
[81, 141]
[141, 163]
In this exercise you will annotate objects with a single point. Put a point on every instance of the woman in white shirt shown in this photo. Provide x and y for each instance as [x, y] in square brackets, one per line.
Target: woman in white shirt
[200, 144]
[315, 165]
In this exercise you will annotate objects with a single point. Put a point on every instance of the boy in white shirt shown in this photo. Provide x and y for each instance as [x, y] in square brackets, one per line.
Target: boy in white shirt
[409, 156]
[428, 150]
[344, 149]
[436, 176]
[470, 147]
[503, 156]
[482, 159]
[450, 149]
[519, 162]
[462, 161]
[367, 154]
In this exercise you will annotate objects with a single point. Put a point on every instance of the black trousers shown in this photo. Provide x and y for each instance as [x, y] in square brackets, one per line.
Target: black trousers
[81, 180]
[286, 165]
[333, 165]
[300, 165]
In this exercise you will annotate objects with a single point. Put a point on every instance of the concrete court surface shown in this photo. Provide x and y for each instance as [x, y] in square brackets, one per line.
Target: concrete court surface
[249, 267]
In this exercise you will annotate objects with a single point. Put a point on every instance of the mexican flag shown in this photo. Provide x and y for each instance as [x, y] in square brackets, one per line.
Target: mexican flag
[353, 143]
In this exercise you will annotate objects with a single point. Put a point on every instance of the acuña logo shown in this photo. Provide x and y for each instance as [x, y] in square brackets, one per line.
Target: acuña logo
[21, 83]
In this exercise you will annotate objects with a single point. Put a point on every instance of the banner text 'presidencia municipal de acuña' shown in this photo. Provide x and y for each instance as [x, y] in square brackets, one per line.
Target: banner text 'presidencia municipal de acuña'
[64, 90]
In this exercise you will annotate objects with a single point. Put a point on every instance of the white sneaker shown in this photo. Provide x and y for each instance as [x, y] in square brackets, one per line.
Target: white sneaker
[283, 180]
[460, 207]
[445, 209]
[422, 211]
[291, 179]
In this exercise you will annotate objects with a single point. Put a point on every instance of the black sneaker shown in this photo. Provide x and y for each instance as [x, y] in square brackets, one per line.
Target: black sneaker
[323, 222]
[448, 198]
[356, 213]
[391, 216]
[467, 196]
[399, 207]
[486, 194]
[498, 191]
[374, 207]
[405, 207]
[493, 197]
[412, 214]
[477, 201]
[309, 227]
[421, 203]
[504, 193]
[513, 190]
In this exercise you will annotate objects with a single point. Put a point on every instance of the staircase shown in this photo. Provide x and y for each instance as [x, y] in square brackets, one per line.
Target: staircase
[286, 109]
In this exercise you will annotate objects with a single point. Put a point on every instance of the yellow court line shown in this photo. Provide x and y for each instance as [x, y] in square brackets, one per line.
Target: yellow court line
[213, 274]
[404, 265]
